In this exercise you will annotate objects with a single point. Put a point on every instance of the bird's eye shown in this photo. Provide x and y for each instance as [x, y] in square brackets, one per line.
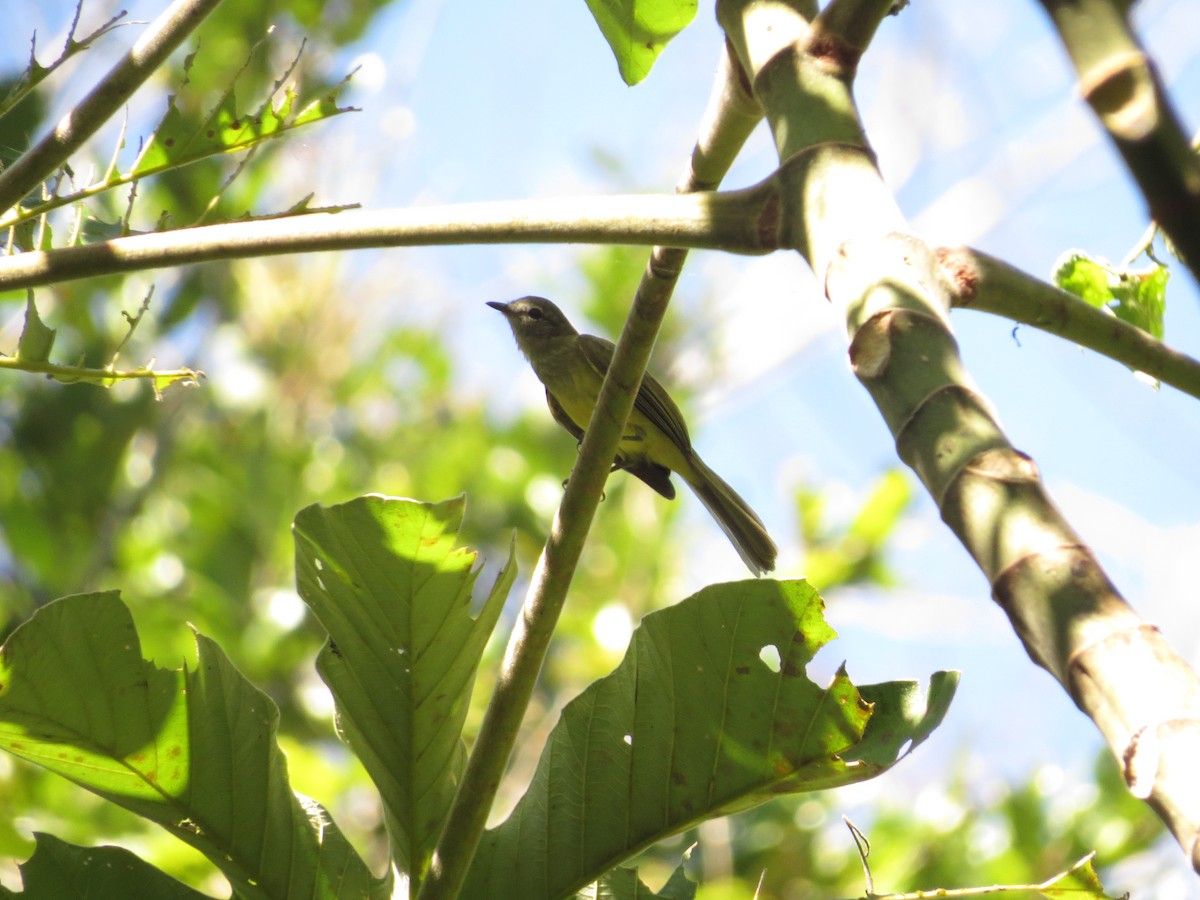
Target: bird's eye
[534, 313]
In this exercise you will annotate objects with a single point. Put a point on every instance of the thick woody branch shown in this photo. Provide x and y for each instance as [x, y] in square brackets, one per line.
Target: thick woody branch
[724, 221]
[896, 295]
[1120, 83]
[851, 24]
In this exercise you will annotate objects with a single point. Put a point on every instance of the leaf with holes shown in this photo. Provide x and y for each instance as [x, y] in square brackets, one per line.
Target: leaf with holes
[709, 712]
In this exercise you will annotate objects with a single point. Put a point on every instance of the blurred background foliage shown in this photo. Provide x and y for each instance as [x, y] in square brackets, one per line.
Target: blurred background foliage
[320, 389]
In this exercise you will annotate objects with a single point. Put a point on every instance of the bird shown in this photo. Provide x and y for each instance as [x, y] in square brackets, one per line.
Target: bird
[572, 366]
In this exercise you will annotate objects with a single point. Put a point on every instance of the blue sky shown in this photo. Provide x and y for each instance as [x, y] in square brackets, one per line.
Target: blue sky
[980, 131]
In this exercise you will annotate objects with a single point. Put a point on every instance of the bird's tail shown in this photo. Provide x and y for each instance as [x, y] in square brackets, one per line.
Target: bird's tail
[740, 523]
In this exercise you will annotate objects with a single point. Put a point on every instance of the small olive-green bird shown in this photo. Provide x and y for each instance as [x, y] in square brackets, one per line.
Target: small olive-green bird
[655, 444]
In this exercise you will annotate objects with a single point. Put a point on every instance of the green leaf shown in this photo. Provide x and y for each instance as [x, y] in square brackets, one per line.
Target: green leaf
[324, 107]
[903, 717]
[856, 554]
[624, 884]
[879, 515]
[1078, 882]
[709, 712]
[177, 141]
[34, 233]
[1136, 297]
[638, 30]
[96, 229]
[36, 339]
[1142, 299]
[193, 750]
[59, 869]
[384, 577]
[1084, 277]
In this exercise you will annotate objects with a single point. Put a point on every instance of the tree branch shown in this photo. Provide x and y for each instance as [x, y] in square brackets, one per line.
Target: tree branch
[150, 51]
[720, 221]
[1120, 83]
[851, 24]
[987, 284]
[742, 221]
[895, 297]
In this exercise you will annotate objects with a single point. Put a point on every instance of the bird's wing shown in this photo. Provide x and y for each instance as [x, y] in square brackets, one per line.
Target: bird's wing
[561, 417]
[652, 400]
[658, 477]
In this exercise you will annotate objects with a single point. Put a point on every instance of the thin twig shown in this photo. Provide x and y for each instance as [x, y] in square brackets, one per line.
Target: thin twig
[133, 321]
[104, 377]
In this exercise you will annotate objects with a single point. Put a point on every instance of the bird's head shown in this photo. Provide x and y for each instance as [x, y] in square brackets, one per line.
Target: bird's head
[534, 319]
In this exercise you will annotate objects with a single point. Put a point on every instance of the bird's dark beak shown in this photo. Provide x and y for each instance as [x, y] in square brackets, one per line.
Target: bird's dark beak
[496, 304]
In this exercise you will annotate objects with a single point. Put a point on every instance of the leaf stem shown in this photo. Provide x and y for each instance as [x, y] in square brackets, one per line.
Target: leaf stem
[103, 377]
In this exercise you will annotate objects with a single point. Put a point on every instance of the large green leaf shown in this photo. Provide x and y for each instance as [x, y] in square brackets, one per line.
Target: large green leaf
[384, 577]
[638, 30]
[59, 869]
[709, 712]
[193, 750]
